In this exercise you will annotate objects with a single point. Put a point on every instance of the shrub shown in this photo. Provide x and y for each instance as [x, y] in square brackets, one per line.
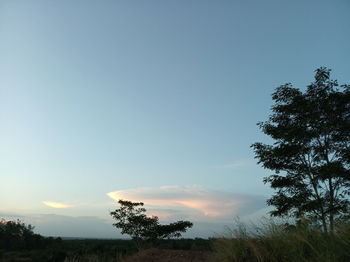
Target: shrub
[16, 235]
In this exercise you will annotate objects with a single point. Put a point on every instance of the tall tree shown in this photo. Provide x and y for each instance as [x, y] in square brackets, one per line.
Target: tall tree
[311, 150]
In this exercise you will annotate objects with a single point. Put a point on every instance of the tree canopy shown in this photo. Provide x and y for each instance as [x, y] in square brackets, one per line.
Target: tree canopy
[132, 220]
[310, 155]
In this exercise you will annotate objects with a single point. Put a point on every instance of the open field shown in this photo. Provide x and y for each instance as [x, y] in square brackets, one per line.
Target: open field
[99, 250]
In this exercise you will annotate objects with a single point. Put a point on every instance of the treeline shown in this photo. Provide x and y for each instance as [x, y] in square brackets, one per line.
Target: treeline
[15, 235]
[18, 242]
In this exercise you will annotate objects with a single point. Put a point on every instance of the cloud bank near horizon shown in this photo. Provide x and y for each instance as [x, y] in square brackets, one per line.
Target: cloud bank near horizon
[192, 202]
[95, 227]
[210, 210]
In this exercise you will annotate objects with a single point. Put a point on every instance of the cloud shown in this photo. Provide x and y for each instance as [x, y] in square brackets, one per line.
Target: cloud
[193, 202]
[56, 204]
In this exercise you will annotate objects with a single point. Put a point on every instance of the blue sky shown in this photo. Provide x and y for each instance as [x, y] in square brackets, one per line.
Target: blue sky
[153, 100]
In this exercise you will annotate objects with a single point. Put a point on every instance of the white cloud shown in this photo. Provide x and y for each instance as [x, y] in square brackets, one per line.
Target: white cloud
[56, 204]
[192, 202]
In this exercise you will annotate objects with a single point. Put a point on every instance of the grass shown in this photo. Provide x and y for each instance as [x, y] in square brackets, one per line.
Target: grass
[273, 242]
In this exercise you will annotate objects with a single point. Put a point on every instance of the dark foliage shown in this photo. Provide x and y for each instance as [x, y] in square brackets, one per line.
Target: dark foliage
[132, 220]
[98, 250]
[18, 242]
[15, 235]
[311, 150]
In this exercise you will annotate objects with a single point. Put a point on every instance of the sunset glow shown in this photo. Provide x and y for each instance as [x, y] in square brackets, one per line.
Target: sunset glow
[208, 203]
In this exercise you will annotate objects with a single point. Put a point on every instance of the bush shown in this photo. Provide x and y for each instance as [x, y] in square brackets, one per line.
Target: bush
[16, 235]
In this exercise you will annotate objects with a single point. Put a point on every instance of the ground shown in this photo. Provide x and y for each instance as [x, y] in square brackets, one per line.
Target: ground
[161, 255]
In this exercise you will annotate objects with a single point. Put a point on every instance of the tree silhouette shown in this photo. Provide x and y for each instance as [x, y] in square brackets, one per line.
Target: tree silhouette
[311, 150]
[132, 220]
[16, 235]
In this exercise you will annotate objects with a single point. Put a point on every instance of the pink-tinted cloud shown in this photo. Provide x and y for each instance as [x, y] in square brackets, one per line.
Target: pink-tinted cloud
[194, 202]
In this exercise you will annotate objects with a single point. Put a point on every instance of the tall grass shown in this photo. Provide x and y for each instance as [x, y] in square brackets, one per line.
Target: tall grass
[274, 242]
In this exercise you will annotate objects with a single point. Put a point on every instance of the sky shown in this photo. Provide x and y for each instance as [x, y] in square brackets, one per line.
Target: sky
[154, 101]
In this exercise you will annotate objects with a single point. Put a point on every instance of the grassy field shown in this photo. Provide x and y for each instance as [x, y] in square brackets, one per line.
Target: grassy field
[271, 242]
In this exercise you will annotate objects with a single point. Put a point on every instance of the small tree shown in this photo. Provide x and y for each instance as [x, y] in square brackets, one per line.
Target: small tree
[311, 150]
[132, 220]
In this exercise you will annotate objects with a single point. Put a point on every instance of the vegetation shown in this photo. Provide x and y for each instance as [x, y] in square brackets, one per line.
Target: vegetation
[273, 242]
[94, 250]
[311, 151]
[18, 242]
[132, 220]
[311, 159]
[16, 235]
[97, 250]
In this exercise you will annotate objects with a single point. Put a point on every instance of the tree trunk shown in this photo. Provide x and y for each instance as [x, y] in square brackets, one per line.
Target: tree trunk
[321, 208]
[324, 223]
[331, 205]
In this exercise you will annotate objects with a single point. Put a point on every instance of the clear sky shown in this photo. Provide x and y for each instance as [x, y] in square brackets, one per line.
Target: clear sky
[153, 101]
